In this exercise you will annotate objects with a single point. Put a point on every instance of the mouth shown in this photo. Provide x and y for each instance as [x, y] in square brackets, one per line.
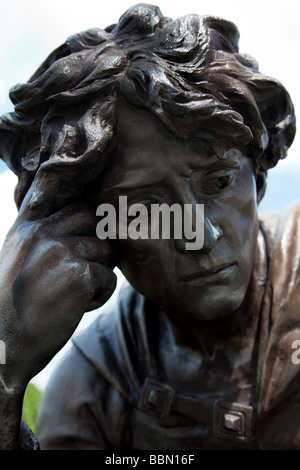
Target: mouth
[216, 273]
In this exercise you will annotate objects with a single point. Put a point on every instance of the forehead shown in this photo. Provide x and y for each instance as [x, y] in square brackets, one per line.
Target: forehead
[147, 154]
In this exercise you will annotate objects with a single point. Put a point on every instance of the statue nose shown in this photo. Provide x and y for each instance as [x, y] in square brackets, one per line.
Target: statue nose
[212, 233]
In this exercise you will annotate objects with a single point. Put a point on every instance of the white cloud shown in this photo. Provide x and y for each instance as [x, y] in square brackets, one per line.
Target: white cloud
[8, 209]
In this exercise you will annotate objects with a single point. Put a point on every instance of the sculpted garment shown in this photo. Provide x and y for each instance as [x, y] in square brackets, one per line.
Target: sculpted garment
[126, 384]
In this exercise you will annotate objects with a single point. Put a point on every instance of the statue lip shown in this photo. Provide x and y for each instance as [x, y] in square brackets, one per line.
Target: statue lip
[220, 270]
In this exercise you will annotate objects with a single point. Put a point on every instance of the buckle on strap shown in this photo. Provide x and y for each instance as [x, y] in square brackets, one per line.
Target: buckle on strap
[229, 420]
[232, 421]
[156, 398]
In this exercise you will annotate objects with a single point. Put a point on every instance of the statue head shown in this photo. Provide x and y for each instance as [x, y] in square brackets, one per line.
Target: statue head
[94, 108]
[188, 73]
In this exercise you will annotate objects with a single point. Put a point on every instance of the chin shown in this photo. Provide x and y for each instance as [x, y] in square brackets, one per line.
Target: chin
[210, 306]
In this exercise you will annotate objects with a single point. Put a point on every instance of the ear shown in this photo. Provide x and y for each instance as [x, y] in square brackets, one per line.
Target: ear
[261, 183]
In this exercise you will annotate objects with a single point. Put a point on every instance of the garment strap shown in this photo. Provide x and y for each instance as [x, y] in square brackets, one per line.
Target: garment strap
[228, 420]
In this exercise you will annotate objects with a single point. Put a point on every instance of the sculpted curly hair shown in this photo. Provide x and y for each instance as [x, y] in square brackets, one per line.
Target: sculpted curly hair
[188, 73]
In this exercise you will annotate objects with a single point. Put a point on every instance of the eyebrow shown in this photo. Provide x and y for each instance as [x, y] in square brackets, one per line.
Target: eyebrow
[226, 163]
[130, 185]
[137, 180]
[135, 184]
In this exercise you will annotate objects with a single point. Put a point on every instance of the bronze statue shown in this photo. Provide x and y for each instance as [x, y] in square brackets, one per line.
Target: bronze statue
[198, 352]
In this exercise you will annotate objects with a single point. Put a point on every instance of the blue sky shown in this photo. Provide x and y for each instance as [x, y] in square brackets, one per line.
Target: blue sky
[31, 29]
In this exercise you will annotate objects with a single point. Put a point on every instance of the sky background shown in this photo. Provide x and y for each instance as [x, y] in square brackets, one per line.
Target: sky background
[31, 29]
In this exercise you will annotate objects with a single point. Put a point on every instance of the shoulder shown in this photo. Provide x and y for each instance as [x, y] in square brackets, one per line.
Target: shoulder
[80, 409]
[117, 346]
[90, 395]
[281, 228]
[282, 234]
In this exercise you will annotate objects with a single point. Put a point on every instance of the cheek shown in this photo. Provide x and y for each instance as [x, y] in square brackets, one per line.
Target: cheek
[238, 216]
[145, 263]
[247, 213]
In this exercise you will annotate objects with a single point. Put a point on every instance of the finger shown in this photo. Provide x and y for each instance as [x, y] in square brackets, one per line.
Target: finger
[47, 194]
[103, 283]
[74, 219]
[90, 249]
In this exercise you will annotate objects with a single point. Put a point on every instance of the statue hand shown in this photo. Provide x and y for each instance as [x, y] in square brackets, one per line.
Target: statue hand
[53, 270]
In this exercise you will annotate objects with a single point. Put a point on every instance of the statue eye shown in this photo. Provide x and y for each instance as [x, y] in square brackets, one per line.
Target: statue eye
[223, 181]
[218, 181]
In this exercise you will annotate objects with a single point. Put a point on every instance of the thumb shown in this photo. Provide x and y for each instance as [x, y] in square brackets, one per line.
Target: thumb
[48, 193]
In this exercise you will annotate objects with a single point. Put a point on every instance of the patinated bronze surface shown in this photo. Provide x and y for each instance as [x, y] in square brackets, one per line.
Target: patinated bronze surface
[197, 354]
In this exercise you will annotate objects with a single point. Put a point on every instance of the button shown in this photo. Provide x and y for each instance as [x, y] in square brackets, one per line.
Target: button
[156, 398]
[232, 422]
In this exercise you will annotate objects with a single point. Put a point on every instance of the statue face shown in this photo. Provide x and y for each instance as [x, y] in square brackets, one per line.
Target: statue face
[151, 166]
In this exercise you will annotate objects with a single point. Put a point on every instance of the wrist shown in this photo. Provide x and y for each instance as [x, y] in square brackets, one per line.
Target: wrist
[10, 393]
[11, 401]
